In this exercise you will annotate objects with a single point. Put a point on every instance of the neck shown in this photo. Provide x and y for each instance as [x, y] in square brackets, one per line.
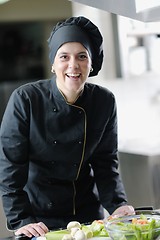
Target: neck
[70, 95]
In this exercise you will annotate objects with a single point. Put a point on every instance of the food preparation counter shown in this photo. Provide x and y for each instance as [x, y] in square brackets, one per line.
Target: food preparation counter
[43, 238]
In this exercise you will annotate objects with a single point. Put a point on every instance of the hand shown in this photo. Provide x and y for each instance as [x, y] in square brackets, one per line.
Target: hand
[33, 229]
[123, 211]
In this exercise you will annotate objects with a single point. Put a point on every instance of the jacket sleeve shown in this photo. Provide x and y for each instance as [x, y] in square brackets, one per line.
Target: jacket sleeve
[105, 166]
[14, 162]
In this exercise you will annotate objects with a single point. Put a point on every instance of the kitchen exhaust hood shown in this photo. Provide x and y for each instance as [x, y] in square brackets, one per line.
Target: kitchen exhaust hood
[142, 10]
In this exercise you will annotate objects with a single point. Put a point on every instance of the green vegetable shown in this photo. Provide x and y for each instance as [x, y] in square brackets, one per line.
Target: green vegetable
[56, 235]
[140, 229]
[98, 229]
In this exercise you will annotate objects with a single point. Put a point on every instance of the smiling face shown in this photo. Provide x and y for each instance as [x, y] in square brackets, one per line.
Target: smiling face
[72, 66]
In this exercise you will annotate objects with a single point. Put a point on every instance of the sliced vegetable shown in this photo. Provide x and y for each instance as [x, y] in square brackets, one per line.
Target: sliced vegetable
[77, 231]
[98, 228]
[56, 235]
[142, 228]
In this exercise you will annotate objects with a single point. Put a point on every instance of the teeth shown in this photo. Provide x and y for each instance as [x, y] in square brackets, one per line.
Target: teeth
[73, 74]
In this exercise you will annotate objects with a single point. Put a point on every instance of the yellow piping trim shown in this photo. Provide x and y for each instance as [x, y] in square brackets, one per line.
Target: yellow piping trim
[82, 158]
[85, 127]
[84, 142]
[74, 196]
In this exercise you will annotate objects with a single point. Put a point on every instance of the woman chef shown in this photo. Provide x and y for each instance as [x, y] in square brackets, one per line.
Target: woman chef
[58, 140]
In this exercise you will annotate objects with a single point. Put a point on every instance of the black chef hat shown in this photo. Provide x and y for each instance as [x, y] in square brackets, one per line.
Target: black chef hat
[78, 29]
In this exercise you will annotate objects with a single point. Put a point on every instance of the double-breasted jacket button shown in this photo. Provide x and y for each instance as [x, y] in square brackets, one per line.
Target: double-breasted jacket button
[49, 205]
[80, 142]
[54, 109]
[54, 141]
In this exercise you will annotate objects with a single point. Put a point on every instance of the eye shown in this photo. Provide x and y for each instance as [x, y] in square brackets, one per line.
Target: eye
[83, 56]
[64, 57]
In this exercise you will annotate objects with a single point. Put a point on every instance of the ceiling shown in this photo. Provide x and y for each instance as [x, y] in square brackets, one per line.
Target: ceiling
[142, 10]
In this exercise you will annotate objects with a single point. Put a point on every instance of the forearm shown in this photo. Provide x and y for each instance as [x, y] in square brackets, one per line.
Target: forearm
[14, 164]
[17, 209]
[111, 192]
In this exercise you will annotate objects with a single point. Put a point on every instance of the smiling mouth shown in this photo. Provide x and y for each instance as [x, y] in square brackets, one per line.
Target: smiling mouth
[73, 75]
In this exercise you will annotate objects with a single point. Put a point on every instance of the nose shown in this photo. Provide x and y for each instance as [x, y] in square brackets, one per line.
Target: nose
[73, 63]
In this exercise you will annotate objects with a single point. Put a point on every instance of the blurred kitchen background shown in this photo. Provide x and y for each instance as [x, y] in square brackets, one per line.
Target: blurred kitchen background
[131, 70]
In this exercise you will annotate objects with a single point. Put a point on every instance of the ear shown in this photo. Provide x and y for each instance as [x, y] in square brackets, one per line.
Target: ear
[52, 69]
[91, 69]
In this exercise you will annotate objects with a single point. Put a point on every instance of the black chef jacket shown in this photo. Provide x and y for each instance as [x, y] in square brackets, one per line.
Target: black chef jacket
[58, 161]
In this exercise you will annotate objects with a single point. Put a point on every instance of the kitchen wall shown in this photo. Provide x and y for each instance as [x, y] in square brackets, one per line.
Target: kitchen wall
[36, 19]
[138, 105]
[22, 10]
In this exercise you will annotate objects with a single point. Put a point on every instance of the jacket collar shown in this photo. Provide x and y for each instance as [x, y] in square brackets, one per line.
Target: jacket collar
[60, 97]
[55, 91]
